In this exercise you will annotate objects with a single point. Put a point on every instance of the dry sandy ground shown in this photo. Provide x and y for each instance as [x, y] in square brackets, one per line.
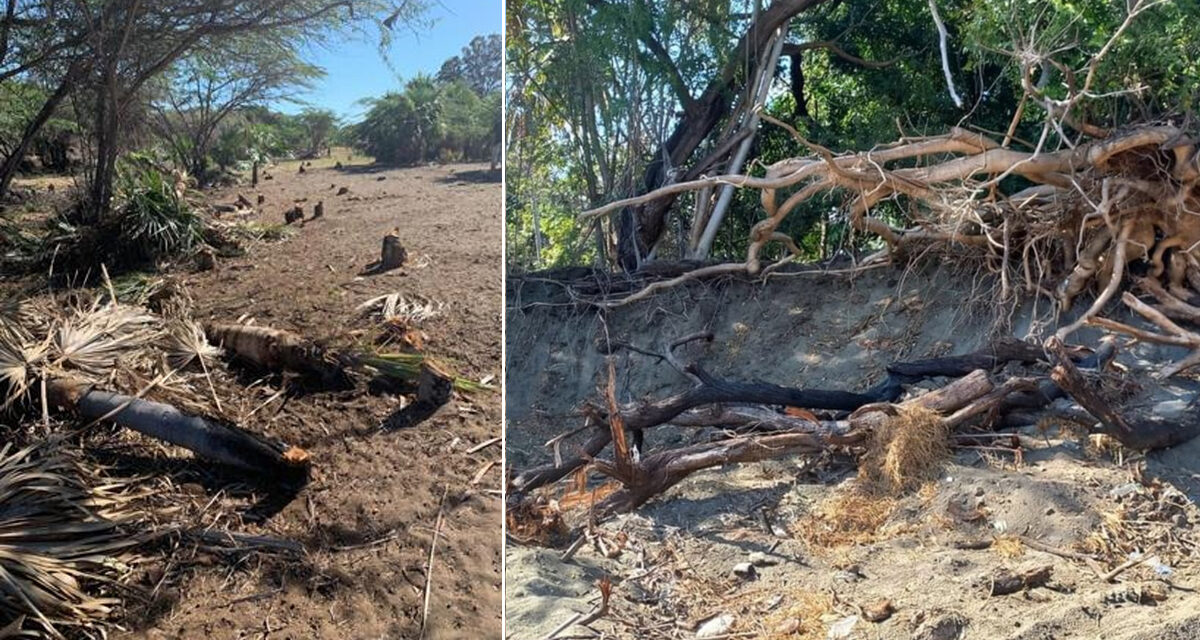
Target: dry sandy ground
[673, 575]
[368, 516]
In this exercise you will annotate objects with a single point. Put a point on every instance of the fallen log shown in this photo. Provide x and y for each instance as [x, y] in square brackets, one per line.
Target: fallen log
[275, 349]
[215, 441]
[643, 479]
[712, 390]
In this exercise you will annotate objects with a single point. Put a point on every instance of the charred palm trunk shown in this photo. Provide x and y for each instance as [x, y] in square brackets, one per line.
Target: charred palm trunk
[212, 440]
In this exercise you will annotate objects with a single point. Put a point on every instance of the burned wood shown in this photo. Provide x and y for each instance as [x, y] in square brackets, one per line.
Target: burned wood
[210, 439]
[998, 353]
[711, 390]
[660, 471]
[1136, 429]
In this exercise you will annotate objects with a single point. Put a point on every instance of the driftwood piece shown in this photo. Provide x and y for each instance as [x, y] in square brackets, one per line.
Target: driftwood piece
[1175, 335]
[1005, 582]
[996, 354]
[1136, 429]
[711, 390]
[212, 440]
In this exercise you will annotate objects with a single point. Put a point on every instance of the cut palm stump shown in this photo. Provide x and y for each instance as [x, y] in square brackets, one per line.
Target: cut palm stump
[393, 255]
[209, 439]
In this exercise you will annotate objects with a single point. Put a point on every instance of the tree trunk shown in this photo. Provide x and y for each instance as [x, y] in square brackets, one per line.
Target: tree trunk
[646, 222]
[392, 255]
[104, 174]
[8, 170]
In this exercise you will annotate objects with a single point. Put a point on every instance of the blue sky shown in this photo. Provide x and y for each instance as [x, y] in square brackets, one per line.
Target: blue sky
[356, 70]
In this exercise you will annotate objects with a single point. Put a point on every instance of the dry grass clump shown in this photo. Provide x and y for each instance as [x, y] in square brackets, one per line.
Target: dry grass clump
[62, 544]
[906, 450]
[1156, 520]
[798, 617]
[851, 516]
[1007, 546]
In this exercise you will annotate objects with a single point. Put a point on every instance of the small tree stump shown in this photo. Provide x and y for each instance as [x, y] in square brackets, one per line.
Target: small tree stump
[393, 255]
[319, 210]
[301, 168]
[293, 214]
[206, 259]
[434, 385]
[261, 198]
[343, 191]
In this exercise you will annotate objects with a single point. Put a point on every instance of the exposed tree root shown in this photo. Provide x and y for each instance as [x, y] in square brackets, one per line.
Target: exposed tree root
[1094, 208]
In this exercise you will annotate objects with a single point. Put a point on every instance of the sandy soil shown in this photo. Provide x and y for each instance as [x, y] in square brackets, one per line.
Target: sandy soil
[674, 575]
[368, 516]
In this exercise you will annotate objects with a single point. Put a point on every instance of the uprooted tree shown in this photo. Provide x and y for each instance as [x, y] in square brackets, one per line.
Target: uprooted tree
[1071, 173]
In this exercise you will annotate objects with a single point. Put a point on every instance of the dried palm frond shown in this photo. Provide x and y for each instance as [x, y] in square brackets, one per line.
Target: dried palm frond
[18, 358]
[60, 542]
[93, 340]
[395, 306]
[185, 343]
[406, 367]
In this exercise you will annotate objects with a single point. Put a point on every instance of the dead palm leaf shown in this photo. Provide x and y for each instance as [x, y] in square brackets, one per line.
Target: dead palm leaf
[185, 343]
[60, 542]
[18, 357]
[94, 340]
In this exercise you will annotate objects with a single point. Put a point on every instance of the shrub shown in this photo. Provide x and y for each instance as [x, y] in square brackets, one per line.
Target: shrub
[153, 218]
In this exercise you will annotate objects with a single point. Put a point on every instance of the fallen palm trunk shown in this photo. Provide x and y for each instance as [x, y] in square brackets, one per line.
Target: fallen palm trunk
[277, 349]
[274, 349]
[212, 440]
